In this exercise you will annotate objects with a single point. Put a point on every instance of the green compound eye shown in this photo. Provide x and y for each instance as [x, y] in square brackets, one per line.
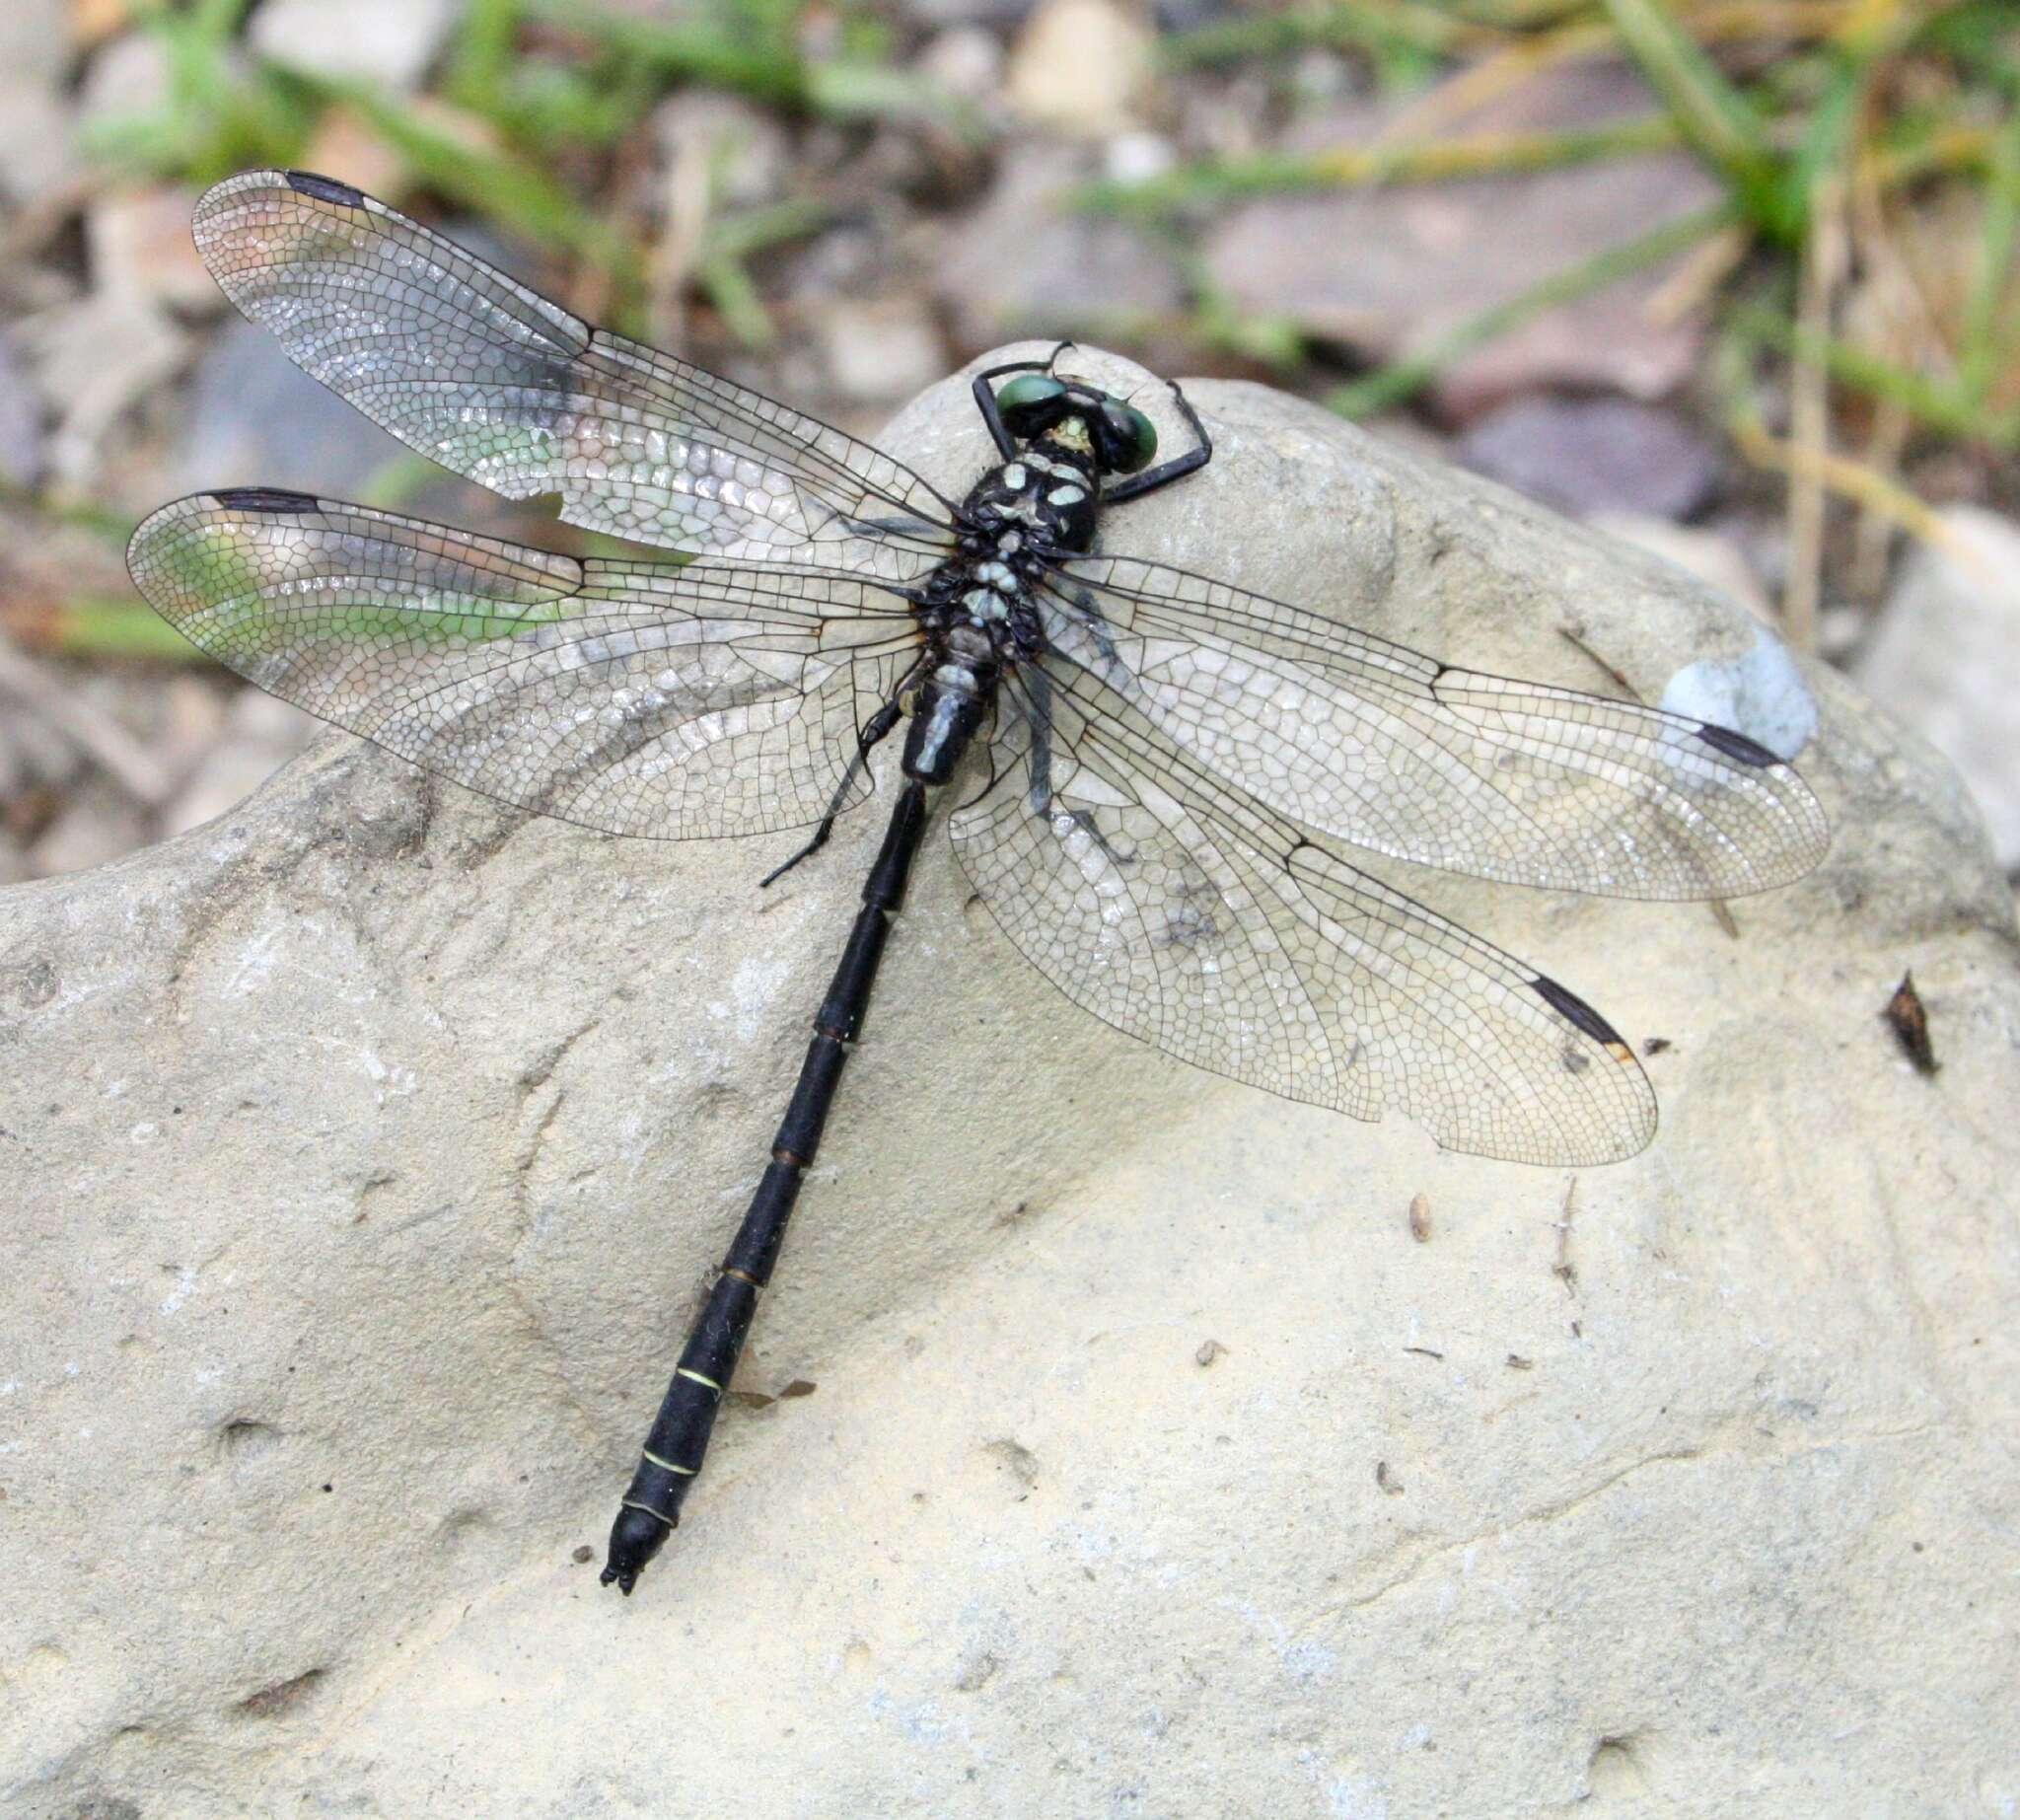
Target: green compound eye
[1135, 436]
[1029, 388]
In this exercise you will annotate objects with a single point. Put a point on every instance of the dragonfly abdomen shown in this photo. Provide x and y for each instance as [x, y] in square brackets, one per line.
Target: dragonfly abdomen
[952, 704]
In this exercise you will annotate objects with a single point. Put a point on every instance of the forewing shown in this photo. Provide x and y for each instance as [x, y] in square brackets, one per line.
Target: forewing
[1398, 753]
[493, 381]
[640, 699]
[1199, 920]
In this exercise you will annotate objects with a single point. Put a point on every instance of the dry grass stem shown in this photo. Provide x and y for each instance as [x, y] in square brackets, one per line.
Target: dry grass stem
[1698, 276]
[1849, 480]
[1810, 414]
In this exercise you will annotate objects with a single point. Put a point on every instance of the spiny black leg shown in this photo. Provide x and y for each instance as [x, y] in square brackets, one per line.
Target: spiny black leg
[986, 396]
[874, 729]
[673, 1451]
[1038, 717]
[808, 851]
[992, 416]
[1137, 484]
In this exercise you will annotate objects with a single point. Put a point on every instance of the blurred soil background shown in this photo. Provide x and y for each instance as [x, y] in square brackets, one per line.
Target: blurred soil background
[1733, 278]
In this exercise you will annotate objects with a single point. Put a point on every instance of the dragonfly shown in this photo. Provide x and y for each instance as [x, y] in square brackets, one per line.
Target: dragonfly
[1154, 777]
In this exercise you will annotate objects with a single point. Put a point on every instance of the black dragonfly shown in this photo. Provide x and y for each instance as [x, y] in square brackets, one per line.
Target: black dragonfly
[1158, 770]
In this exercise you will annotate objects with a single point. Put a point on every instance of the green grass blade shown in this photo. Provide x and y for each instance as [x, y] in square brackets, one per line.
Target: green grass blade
[1713, 117]
[112, 626]
[1208, 183]
[1939, 406]
[1988, 335]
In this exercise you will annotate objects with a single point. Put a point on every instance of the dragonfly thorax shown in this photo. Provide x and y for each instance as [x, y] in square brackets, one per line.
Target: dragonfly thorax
[1046, 498]
[978, 608]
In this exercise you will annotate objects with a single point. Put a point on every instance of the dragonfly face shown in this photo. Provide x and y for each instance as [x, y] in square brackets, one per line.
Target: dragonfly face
[1108, 432]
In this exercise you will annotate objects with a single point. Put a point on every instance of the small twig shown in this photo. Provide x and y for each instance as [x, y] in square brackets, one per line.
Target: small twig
[1909, 1019]
[1851, 478]
[1355, 167]
[1474, 86]
[1697, 275]
[1399, 380]
[1903, 322]
[1874, 532]
[687, 194]
[1810, 414]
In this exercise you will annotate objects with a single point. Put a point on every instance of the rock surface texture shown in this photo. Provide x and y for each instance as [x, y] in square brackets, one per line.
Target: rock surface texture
[1947, 657]
[364, 1148]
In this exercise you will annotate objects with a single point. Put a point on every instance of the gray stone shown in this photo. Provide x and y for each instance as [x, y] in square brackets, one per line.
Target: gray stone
[1388, 268]
[1591, 454]
[21, 422]
[366, 1147]
[965, 61]
[879, 351]
[126, 76]
[1946, 659]
[1021, 264]
[387, 42]
[38, 148]
[257, 419]
[94, 359]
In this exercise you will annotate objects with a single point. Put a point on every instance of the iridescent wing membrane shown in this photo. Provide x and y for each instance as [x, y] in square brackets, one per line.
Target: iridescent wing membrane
[1193, 917]
[494, 382]
[1166, 782]
[1405, 756]
[634, 697]
[1152, 841]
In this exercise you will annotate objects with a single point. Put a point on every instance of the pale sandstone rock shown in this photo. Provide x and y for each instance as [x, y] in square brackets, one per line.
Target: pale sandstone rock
[1080, 67]
[365, 1147]
[1947, 658]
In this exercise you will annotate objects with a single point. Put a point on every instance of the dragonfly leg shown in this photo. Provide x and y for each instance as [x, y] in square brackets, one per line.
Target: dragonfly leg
[986, 396]
[874, 729]
[672, 1456]
[1137, 484]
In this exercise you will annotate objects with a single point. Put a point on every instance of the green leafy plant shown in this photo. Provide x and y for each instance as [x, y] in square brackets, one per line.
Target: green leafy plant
[223, 110]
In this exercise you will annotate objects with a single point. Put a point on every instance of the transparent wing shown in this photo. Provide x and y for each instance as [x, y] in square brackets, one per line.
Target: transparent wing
[640, 699]
[1192, 916]
[491, 379]
[1393, 751]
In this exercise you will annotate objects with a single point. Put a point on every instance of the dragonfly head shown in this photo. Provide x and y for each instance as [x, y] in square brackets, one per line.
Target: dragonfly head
[1119, 437]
